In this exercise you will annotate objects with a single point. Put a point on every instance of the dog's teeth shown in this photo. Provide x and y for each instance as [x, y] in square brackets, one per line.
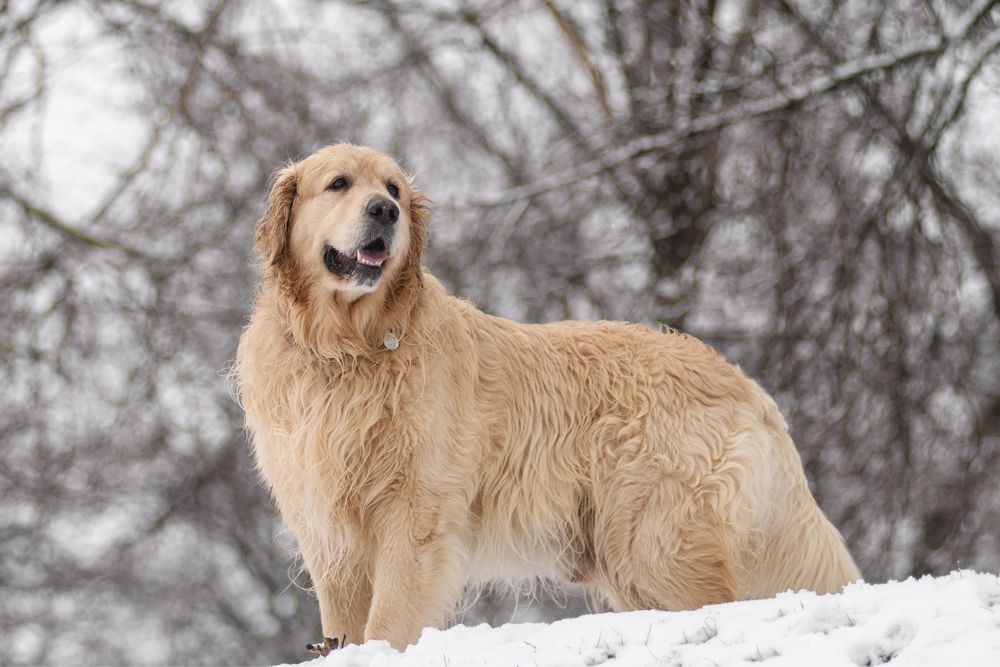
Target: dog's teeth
[367, 262]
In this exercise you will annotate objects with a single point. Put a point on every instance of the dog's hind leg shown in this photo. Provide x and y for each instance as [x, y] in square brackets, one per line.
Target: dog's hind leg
[661, 545]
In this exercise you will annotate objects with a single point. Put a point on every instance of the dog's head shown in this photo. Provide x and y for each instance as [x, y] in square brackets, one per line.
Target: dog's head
[344, 220]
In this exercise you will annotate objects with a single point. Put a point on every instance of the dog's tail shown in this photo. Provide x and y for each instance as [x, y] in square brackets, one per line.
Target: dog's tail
[809, 553]
[803, 549]
[798, 548]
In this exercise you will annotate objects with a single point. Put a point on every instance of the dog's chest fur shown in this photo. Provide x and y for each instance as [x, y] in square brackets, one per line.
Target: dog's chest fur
[320, 434]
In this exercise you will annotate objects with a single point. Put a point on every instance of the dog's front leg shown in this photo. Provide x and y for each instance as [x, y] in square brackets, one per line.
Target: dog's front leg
[344, 600]
[343, 589]
[418, 578]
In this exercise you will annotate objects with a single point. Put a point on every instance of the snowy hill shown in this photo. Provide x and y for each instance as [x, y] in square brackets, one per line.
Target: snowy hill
[945, 621]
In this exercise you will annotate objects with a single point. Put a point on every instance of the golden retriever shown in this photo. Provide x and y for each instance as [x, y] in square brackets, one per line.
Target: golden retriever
[415, 444]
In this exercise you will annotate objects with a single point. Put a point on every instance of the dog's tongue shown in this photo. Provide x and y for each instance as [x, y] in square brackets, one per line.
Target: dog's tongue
[377, 256]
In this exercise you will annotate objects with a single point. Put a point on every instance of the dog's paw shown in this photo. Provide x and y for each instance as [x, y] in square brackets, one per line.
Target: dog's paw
[329, 644]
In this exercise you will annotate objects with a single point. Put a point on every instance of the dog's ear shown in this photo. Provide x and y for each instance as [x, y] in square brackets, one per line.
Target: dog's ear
[420, 215]
[410, 277]
[272, 231]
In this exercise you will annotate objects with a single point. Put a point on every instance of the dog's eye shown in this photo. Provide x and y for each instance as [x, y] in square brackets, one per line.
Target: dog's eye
[338, 183]
[393, 190]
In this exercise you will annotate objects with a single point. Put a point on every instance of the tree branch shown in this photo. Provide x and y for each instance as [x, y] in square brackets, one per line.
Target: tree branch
[840, 75]
[53, 221]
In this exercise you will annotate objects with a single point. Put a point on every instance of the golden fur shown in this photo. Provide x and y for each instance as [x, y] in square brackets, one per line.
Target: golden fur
[637, 463]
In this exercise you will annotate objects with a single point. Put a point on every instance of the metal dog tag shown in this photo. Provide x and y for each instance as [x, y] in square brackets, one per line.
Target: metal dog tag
[390, 341]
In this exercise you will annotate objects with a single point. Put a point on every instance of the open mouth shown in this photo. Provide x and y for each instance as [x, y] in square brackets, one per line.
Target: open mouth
[373, 254]
[364, 264]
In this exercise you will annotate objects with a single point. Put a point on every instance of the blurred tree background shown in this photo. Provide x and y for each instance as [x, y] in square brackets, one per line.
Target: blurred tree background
[811, 187]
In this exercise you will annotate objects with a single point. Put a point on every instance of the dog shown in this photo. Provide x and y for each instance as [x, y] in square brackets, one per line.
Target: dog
[414, 444]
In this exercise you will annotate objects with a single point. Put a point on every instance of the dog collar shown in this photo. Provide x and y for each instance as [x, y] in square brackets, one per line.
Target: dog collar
[391, 340]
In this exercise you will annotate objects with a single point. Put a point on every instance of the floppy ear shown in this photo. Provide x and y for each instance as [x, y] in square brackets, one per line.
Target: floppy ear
[271, 239]
[410, 277]
[420, 215]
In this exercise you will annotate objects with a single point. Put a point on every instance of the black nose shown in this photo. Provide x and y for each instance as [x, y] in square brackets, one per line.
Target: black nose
[382, 210]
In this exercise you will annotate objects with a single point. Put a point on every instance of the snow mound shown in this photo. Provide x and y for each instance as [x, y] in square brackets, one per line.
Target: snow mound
[933, 622]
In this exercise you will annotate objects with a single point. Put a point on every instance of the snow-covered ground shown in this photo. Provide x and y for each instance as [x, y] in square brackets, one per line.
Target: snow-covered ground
[940, 622]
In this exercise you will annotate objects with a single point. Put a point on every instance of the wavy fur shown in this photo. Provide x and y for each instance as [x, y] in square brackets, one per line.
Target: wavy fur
[637, 463]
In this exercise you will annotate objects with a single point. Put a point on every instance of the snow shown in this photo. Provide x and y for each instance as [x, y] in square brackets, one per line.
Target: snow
[952, 620]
